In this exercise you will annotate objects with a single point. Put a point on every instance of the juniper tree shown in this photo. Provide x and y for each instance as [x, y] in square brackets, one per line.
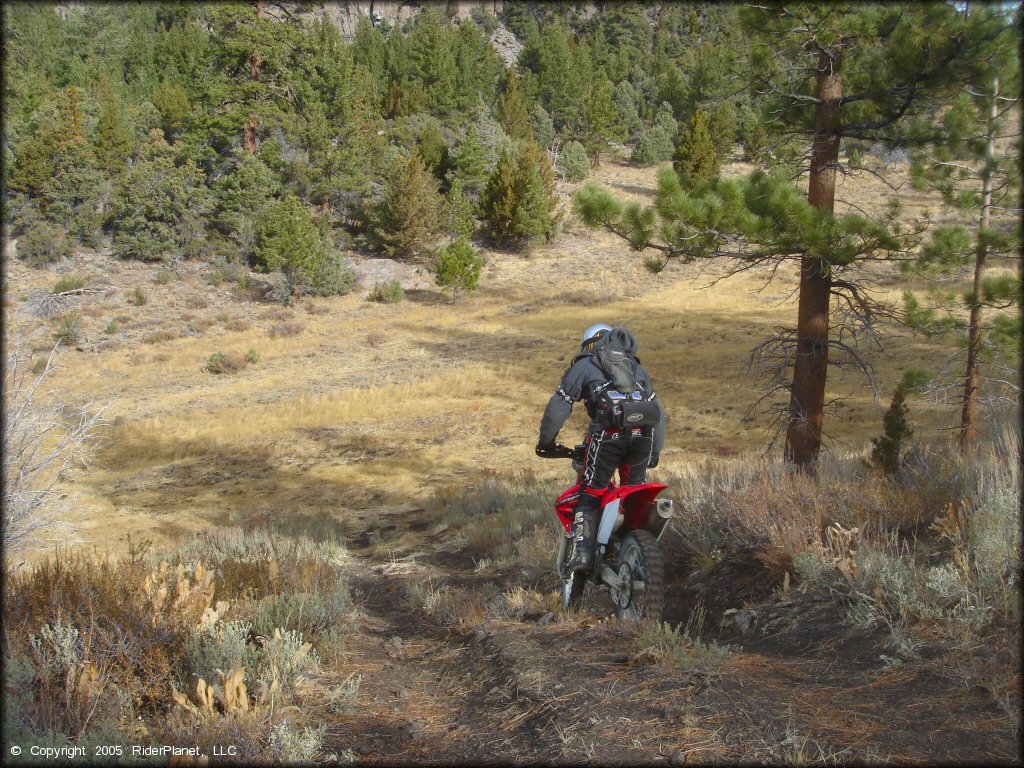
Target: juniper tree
[476, 154]
[241, 197]
[695, 158]
[458, 212]
[858, 71]
[755, 138]
[627, 107]
[519, 201]
[159, 208]
[114, 142]
[408, 218]
[572, 162]
[172, 101]
[887, 449]
[513, 113]
[543, 128]
[721, 123]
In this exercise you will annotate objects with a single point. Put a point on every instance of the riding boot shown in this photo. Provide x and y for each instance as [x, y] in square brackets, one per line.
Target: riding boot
[584, 532]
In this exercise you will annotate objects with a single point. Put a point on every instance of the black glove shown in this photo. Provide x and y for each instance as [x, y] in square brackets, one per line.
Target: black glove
[653, 461]
[545, 450]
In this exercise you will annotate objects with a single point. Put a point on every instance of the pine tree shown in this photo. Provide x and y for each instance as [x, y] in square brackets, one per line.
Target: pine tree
[432, 62]
[561, 81]
[290, 241]
[478, 70]
[695, 159]
[601, 124]
[458, 212]
[409, 215]
[902, 59]
[255, 72]
[976, 168]
[458, 266]
[886, 450]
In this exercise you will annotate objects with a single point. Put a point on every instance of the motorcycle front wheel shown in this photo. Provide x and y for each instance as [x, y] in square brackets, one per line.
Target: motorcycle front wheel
[640, 593]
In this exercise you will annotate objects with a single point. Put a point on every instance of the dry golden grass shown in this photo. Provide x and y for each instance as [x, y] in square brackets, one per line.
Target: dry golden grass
[381, 404]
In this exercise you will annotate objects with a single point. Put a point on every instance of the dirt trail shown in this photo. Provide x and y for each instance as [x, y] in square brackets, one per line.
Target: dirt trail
[541, 690]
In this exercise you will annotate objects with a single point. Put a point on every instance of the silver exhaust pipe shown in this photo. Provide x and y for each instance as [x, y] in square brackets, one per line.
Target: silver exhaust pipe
[658, 516]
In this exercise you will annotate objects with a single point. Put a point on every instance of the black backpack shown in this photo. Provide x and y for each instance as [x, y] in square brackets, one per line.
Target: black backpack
[621, 400]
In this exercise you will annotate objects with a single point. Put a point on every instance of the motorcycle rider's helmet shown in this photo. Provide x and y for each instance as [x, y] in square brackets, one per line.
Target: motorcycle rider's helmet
[593, 333]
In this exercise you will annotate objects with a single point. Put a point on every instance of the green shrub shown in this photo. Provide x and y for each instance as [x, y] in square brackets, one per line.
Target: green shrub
[458, 266]
[223, 647]
[219, 362]
[69, 283]
[137, 297]
[654, 147]
[573, 163]
[111, 328]
[387, 293]
[252, 356]
[43, 243]
[163, 276]
[310, 614]
[681, 647]
[70, 329]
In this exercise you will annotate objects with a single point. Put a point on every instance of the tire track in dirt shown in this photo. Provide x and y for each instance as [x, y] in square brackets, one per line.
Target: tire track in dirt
[579, 691]
[432, 694]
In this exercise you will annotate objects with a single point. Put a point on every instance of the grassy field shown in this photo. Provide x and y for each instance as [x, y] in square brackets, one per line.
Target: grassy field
[365, 405]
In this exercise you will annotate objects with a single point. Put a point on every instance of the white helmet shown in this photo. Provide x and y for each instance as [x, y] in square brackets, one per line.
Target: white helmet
[594, 332]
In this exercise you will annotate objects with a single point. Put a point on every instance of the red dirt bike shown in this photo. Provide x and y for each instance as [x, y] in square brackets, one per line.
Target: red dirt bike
[627, 556]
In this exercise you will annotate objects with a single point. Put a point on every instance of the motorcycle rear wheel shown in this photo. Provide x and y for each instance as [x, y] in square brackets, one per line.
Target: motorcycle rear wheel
[641, 570]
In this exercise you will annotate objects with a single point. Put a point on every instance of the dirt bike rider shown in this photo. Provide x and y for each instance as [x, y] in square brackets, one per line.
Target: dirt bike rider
[631, 450]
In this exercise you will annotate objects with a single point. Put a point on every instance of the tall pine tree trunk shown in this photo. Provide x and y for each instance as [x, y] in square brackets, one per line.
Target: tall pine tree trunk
[807, 397]
[969, 413]
[250, 141]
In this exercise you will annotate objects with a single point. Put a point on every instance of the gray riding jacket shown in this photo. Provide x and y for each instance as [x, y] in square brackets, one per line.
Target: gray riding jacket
[584, 375]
